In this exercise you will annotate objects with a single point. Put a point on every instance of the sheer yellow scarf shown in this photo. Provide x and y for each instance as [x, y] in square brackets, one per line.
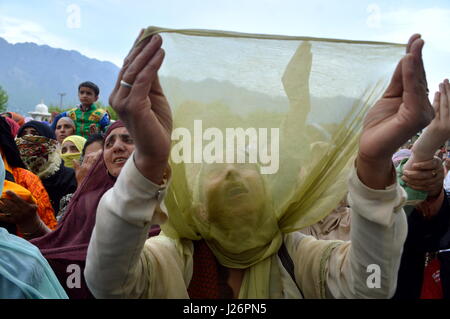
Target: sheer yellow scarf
[299, 103]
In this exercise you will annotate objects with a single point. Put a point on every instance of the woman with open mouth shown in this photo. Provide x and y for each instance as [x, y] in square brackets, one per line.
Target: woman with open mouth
[227, 241]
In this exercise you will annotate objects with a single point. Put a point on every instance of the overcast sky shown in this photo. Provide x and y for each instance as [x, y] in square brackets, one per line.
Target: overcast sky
[105, 29]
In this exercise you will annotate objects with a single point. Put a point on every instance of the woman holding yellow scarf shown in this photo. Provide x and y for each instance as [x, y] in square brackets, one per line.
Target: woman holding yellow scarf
[228, 240]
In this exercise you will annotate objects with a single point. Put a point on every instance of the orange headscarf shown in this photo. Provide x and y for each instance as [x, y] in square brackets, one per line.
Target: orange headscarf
[18, 118]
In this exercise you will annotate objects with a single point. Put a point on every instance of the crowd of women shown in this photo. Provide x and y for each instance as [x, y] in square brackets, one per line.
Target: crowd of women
[44, 169]
[79, 218]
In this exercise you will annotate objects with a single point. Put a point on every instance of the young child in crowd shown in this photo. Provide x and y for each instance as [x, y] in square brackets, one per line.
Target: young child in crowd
[86, 115]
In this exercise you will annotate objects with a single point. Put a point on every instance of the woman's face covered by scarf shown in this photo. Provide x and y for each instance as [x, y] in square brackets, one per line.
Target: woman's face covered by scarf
[235, 190]
[36, 152]
[71, 149]
[234, 212]
[38, 148]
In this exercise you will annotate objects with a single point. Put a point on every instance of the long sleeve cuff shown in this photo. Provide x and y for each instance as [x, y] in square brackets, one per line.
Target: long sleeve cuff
[134, 197]
[374, 204]
[124, 216]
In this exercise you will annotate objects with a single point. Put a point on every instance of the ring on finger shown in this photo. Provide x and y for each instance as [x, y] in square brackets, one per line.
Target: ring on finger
[126, 84]
[433, 172]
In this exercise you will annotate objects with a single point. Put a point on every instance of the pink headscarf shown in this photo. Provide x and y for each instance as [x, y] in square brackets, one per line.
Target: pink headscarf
[400, 155]
[14, 126]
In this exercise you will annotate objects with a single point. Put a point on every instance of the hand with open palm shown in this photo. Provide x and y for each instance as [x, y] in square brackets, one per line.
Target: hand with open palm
[144, 108]
[403, 111]
[438, 132]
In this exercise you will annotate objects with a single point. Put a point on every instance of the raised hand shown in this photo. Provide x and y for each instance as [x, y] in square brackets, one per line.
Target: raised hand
[440, 126]
[82, 169]
[438, 132]
[403, 111]
[144, 108]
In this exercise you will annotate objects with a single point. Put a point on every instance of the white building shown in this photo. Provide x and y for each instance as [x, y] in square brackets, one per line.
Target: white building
[41, 113]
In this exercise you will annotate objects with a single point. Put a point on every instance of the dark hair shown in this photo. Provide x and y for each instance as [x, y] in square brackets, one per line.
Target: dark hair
[8, 145]
[90, 85]
[42, 128]
[98, 137]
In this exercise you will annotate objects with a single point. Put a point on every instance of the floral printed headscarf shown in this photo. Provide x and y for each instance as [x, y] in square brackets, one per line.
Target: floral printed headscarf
[38, 153]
